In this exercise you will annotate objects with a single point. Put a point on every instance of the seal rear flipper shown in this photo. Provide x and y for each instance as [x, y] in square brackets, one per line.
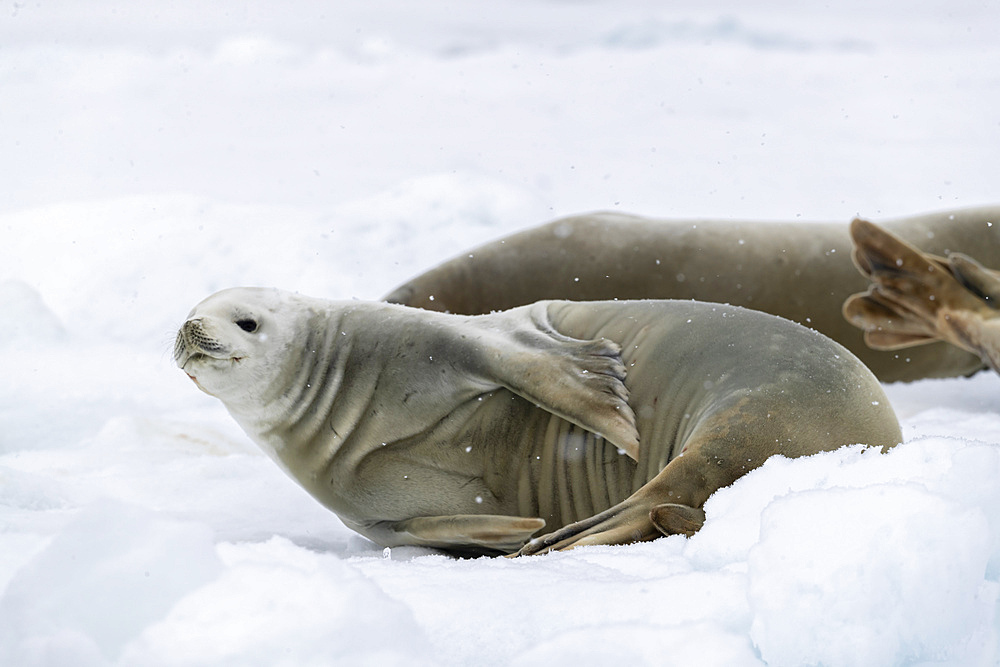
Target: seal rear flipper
[582, 381]
[887, 325]
[979, 280]
[637, 519]
[467, 533]
[916, 297]
[674, 519]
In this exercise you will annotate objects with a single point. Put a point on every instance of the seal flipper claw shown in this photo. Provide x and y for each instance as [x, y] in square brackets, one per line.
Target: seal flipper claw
[483, 533]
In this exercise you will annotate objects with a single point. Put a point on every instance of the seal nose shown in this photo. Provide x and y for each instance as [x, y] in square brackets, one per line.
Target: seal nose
[192, 326]
[192, 337]
[181, 342]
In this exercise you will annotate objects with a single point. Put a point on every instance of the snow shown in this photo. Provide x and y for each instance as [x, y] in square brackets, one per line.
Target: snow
[154, 153]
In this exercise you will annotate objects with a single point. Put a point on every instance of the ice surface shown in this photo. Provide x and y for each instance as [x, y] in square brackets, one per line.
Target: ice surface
[154, 153]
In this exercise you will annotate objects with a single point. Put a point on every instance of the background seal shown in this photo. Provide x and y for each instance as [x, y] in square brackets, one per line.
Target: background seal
[800, 271]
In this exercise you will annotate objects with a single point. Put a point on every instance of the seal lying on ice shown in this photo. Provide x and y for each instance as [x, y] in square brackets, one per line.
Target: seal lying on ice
[800, 271]
[603, 422]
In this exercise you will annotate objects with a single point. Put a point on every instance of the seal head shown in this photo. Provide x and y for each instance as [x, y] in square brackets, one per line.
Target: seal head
[229, 343]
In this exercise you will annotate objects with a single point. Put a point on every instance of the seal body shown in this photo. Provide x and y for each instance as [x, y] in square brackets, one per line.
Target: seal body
[800, 271]
[604, 422]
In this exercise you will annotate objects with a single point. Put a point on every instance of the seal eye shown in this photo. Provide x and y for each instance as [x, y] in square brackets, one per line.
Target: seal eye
[247, 325]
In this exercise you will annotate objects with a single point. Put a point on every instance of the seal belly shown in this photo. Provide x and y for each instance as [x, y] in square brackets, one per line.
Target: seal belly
[569, 473]
[497, 453]
[536, 464]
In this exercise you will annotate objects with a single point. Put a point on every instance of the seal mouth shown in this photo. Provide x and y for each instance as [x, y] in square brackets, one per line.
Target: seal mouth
[197, 357]
[187, 359]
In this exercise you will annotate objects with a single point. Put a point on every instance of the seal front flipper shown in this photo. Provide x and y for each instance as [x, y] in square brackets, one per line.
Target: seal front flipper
[917, 298]
[473, 533]
[582, 381]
